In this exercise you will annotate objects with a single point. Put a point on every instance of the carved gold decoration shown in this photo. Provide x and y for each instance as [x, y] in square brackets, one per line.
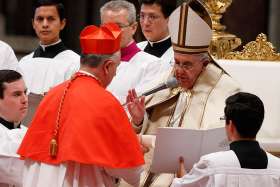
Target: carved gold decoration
[222, 42]
[216, 9]
[260, 50]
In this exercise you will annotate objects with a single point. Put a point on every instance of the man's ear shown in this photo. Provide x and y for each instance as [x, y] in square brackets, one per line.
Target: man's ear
[167, 19]
[107, 66]
[230, 130]
[62, 24]
[232, 127]
[134, 27]
[32, 22]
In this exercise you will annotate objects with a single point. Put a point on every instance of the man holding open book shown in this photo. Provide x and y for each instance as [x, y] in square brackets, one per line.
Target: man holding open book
[244, 114]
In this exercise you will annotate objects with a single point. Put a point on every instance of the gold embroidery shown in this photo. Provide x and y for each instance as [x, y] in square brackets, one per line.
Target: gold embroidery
[189, 96]
[187, 50]
[169, 124]
[183, 24]
[176, 90]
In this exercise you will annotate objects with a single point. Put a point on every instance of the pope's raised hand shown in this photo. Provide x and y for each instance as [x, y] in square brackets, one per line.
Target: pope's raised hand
[135, 106]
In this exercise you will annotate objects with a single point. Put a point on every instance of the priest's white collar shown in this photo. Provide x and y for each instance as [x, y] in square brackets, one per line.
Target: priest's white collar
[44, 46]
[152, 43]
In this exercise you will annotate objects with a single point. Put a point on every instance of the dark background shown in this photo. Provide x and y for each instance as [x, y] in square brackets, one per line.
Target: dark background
[244, 18]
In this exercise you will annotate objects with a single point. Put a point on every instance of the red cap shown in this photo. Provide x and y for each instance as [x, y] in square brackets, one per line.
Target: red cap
[103, 40]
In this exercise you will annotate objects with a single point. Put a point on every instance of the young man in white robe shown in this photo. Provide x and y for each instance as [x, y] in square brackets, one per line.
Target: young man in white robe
[13, 108]
[154, 17]
[8, 59]
[137, 67]
[244, 114]
[51, 63]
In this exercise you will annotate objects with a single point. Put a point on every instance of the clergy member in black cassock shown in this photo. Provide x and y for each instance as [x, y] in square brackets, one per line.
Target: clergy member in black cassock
[246, 163]
[13, 108]
[51, 63]
[154, 16]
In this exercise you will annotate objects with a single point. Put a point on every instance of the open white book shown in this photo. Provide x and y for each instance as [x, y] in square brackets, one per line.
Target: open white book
[171, 143]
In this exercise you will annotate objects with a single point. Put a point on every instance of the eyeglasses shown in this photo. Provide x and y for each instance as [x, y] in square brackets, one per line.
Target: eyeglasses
[223, 118]
[150, 17]
[122, 26]
[184, 66]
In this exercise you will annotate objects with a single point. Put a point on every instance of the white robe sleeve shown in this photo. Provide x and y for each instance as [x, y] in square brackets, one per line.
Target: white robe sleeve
[198, 176]
[130, 175]
[8, 58]
[73, 61]
[151, 71]
[201, 173]
[223, 169]
[11, 167]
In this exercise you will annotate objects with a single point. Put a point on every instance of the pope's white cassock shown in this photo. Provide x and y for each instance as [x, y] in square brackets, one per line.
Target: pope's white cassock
[223, 169]
[11, 167]
[8, 59]
[41, 73]
[139, 70]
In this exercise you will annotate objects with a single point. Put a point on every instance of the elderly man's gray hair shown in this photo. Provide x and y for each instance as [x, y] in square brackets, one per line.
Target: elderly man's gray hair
[119, 5]
[204, 57]
[93, 60]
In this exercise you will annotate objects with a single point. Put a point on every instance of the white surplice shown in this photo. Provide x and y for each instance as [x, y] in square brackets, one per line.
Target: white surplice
[166, 60]
[11, 167]
[72, 174]
[8, 59]
[223, 169]
[140, 70]
[41, 74]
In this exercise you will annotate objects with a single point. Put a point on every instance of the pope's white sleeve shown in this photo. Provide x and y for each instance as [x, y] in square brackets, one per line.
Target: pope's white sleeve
[130, 175]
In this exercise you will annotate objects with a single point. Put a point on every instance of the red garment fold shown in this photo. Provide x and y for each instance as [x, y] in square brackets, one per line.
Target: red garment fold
[94, 128]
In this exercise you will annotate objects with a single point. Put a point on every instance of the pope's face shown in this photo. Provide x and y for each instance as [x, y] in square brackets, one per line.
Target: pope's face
[187, 69]
[47, 24]
[153, 23]
[121, 19]
[13, 105]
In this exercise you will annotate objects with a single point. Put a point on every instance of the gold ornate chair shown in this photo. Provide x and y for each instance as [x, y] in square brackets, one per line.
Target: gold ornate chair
[257, 70]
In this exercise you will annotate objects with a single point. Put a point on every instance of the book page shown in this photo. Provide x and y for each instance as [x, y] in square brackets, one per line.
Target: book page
[171, 143]
[212, 144]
